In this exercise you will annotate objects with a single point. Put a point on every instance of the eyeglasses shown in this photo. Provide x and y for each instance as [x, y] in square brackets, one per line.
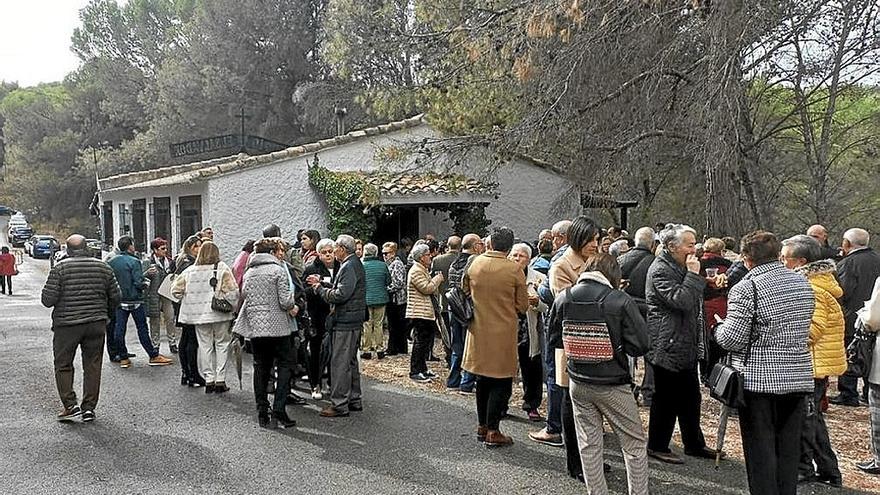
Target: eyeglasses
[161, 248]
[386, 253]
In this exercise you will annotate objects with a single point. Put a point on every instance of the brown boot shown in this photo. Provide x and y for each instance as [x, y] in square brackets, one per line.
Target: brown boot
[495, 438]
[481, 433]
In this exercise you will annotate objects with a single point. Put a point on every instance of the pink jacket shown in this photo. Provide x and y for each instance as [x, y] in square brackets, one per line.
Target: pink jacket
[7, 264]
[239, 266]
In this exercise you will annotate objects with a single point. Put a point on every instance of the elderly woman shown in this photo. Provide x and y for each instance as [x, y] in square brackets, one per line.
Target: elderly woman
[378, 279]
[870, 317]
[529, 337]
[396, 309]
[420, 288]
[803, 254]
[266, 315]
[767, 329]
[674, 293]
[189, 344]
[196, 287]
[600, 378]
[324, 266]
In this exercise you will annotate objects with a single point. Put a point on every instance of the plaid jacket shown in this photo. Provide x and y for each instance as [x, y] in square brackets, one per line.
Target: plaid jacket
[780, 361]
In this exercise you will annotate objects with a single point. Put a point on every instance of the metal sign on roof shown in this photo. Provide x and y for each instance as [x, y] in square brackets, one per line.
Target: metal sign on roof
[227, 141]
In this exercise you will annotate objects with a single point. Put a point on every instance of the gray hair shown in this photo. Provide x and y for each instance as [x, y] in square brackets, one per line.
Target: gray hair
[804, 246]
[672, 234]
[616, 246]
[418, 251]
[346, 242]
[324, 243]
[525, 248]
[371, 249]
[645, 237]
[561, 227]
[857, 237]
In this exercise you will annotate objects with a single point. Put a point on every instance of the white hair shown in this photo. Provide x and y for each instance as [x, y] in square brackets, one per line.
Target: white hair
[525, 248]
[615, 248]
[371, 249]
[346, 242]
[561, 227]
[325, 243]
[857, 237]
[418, 251]
[645, 237]
[672, 234]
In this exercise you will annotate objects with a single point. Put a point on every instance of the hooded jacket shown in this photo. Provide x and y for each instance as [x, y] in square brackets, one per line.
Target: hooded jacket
[827, 326]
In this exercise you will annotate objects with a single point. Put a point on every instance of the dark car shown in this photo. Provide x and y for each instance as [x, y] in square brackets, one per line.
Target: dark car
[45, 248]
[6, 211]
[19, 235]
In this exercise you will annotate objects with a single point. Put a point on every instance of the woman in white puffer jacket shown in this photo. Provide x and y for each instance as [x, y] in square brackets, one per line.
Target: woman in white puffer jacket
[193, 288]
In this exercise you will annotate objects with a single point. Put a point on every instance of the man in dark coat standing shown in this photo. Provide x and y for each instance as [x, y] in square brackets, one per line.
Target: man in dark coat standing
[857, 272]
[634, 269]
[674, 293]
[82, 291]
[348, 299]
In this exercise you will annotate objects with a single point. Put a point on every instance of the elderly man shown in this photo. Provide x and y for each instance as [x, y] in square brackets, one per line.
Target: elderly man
[348, 297]
[857, 271]
[82, 292]
[803, 254]
[459, 379]
[674, 293]
[634, 269]
[498, 288]
[819, 233]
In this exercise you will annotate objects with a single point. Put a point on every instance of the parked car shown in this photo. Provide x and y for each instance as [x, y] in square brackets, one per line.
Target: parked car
[6, 211]
[29, 245]
[45, 248]
[19, 235]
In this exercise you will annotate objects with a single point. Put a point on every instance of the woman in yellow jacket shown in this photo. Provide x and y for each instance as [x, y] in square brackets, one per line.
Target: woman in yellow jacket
[802, 254]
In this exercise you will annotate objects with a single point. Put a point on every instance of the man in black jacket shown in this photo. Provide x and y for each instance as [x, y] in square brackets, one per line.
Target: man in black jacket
[857, 272]
[634, 269]
[348, 298]
[819, 233]
[82, 292]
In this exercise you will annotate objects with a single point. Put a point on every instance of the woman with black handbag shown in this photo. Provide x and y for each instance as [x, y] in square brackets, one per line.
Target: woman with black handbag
[208, 293]
[768, 320]
[870, 319]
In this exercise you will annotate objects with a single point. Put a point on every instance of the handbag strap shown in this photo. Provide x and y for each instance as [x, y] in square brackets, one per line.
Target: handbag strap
[752, 336]
[215, 284]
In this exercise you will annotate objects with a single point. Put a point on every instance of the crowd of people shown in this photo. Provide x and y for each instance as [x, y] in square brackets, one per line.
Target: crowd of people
[576, 312]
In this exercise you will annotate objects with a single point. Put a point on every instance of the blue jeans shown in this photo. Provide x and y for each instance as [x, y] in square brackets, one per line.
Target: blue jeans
[554, 393]
[457, 376]
[140, 321]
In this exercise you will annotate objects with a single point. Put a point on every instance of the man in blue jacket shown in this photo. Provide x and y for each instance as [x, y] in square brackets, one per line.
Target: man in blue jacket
[129, 273]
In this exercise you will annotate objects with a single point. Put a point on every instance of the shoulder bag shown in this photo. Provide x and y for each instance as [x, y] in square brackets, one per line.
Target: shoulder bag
[218, 303]
[860, 352]
[726, 383]
[460, 304]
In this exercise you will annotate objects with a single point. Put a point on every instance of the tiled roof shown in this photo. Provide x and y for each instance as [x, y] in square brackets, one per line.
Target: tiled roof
[406, 184]
[199, 171]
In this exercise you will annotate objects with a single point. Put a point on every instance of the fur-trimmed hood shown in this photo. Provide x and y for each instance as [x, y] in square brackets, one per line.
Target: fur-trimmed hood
[817, 268]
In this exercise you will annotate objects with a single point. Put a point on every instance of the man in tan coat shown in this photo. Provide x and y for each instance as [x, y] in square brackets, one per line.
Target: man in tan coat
[498, 288]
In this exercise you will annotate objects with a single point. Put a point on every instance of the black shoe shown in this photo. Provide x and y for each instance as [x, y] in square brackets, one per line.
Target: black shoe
[869, 467]
[843, 401]
[88, 416]
[209, 388]
[130, 355]
[366, 355]
[835, 481]
[806, 478]
[430, 374]
[281, 420]
[263, 419]
[380, 355]
[606, 467]
[185, 381]
[173, 349]
[293, 399]
[356, 407]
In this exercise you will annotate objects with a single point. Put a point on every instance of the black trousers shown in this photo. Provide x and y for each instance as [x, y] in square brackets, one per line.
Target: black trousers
[316, 358]
[493, 395]
[815, 444]
[188, 349]
[5, 281]
[397, 328]
[676, 397]
[423, 340]
[110, 332]
[569, 437]
[531, 370]
[269, 352]
[771, 437]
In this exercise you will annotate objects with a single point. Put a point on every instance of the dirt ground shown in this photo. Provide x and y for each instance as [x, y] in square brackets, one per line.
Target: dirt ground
[848, 426]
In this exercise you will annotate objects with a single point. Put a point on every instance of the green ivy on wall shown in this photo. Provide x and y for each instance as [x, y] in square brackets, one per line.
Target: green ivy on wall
[349, 199]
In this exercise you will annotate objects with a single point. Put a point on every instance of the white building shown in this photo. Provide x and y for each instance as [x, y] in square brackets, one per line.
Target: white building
[237, 195]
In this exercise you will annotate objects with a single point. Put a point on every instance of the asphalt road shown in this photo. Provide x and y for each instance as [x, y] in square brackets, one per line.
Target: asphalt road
[152, 435]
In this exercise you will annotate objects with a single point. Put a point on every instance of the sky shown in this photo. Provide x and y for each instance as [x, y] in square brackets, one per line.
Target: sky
[35, 39]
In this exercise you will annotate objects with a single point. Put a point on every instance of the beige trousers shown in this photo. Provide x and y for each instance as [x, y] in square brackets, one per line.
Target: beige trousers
[373, 339]
[615, 403]
[214, 340]
[166, 317]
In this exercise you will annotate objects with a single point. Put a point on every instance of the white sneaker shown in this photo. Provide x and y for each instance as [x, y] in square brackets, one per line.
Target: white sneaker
[316, 394]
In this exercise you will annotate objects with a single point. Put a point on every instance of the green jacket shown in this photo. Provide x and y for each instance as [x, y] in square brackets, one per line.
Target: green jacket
[378, 280]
